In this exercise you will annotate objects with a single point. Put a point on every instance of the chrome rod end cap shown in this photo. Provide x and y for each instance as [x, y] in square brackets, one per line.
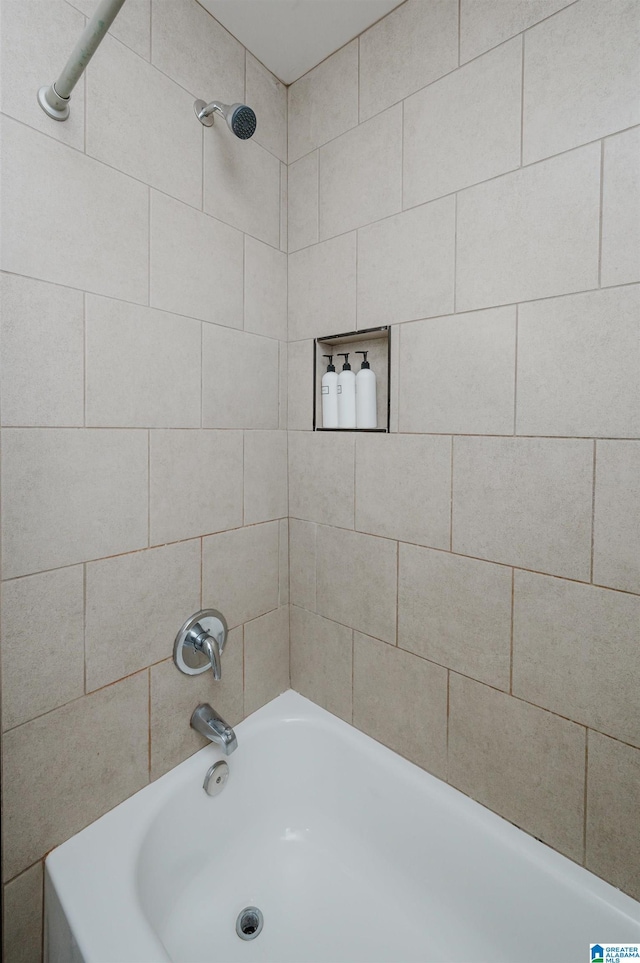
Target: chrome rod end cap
[56, 113]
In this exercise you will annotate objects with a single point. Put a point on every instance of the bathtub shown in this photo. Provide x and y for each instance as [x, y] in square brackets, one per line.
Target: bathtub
[352, 854]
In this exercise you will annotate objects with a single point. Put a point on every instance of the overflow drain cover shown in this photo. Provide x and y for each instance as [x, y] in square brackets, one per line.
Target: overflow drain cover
[249, 923]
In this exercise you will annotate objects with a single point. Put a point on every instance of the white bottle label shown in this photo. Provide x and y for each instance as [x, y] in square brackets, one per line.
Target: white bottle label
[339, 389]
[325, 389]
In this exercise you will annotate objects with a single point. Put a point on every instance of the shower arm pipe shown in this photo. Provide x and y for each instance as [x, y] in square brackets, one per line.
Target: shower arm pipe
[54, 100]
[215, 107]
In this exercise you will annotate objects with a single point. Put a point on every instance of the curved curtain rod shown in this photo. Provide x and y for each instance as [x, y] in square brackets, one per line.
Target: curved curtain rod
[54, 100]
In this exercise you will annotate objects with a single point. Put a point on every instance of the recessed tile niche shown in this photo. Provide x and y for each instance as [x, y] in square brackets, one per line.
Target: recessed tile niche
[377, 343]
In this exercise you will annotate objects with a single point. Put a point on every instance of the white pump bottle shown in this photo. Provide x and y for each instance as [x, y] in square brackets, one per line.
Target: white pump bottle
[330, 395]
[366, 395]
[346, 395]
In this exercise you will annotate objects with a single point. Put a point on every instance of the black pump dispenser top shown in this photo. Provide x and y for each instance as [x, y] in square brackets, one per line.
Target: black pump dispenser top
[365, 363]
[346, 366]
[330, 366]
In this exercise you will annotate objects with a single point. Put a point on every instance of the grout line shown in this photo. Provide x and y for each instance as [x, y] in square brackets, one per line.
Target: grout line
[149, 248]
[244, 487]
[149, 723]
[85, 91]
[279, 206]
[513, 595]
[84, 359]
[149, 487]
[585, 803]
[402, 159]
[397, 642]
[601, 212]
[359, 82]
[202, 324]
[448, 713]
[244, 280]
[353, 672]
[515, 375]
[202, 161]
[84, 625]
[451, 502]
[421, 434]
[317, 241]
[455, 250]
[522, 104]
[357, 253]
[593, 512]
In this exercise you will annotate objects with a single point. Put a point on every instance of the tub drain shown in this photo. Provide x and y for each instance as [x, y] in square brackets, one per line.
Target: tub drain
[249, 923]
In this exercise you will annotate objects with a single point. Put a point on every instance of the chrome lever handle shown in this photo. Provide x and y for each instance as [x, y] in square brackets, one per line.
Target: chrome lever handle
[210, 647]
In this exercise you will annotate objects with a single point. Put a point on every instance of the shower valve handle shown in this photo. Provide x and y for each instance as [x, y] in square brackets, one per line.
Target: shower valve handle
[200, 643]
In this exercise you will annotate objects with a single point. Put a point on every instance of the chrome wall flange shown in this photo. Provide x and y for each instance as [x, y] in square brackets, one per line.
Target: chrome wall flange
[205, 119]
[200, 643]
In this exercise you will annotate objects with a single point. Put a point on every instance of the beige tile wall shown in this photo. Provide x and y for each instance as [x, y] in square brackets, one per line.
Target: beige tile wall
[144, 472]
[467, 589]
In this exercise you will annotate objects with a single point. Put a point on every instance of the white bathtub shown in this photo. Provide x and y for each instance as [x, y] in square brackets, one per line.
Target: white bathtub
[352, 854]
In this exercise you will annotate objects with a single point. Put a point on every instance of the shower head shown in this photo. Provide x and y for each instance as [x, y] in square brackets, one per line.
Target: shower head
[240, 119]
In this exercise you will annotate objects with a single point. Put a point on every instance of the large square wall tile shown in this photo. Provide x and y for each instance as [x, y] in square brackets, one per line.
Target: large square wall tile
[476, 113]
[142, 367]
[135, 605]
[530, 234]
[524, 502]
[613, 801]
[457, 612]
[71, 494]
[576, 652]
[409, 48]
[56, 676]
[321, 661]
[406, 265]
[616, 535]
[91, 754]
[578, 363]
[42, 329]
[196, 483]
[403, 487]
[324, 102]
[183, 278]
[240, 572]
[524, 763]
[457, 373]
[317, 491]
[357, 581]
[229, 401]
[360, 177]
[581, 76]
[401, 701]
[41, 216]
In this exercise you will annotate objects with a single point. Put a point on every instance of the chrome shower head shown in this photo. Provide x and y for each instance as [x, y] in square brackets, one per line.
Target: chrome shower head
[240, 119]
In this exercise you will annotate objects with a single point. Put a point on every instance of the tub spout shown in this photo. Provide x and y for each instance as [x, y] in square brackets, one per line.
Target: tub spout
[208, 723]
